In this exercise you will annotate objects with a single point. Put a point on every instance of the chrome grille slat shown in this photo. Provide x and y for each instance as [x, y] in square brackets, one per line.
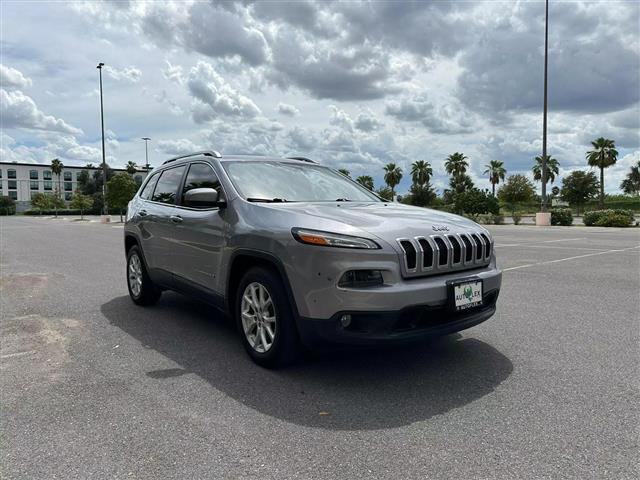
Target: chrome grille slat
[475, 251]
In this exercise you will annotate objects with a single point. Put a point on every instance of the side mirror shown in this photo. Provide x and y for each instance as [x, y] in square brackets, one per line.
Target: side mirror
[203, 198]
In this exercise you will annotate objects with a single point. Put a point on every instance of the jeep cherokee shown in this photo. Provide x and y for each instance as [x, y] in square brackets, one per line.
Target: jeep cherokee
[298, 253]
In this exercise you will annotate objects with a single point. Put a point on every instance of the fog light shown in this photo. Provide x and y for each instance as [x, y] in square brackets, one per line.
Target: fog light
[361, 279]
[345, 320]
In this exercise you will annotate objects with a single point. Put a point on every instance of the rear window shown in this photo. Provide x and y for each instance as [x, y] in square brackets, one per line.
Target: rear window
[167, 186]
[148, 188]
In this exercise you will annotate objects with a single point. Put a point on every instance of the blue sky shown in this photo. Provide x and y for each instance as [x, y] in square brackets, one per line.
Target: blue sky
[354, 85]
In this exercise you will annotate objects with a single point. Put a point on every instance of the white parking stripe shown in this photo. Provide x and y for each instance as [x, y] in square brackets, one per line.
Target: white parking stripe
[563, 240]
[17, 354]
[569, 258]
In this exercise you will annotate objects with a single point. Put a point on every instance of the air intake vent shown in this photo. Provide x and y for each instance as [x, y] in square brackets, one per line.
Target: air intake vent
[457, 249]
[443, 251]
[410, 254]
[468, 249]
[487, 251]
[427, 253]
[478, 246]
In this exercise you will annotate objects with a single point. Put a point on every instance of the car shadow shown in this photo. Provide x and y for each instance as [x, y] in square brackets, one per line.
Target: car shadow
[356, 390]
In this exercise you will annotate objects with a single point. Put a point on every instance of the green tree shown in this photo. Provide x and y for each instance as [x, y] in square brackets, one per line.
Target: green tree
[456, 164]
[41, 201]
[517, 189]
[631, 184]
[366, 181]
[420, 195]
[120, 190]
[7, 205]
[552, 168]
[385, 193]
[392, 177]
[603, 155]
[496, 171]
[344, 172]
[578, 188]
[81, 202]
[476, 202]
[131, 167]
[421, 172]
[56, 168]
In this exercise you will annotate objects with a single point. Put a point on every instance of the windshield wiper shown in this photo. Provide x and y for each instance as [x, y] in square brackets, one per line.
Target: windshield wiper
[267, 200]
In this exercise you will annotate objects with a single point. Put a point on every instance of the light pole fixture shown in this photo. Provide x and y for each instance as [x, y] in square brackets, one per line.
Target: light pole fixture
[544, 218]
[105, 209]
[146, 152]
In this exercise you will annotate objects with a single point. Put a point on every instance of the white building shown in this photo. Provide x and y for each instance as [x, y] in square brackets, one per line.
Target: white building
[21, 180]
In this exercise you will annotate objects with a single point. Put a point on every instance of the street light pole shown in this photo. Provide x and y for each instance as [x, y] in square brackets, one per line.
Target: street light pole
[544, 110]
[146, 152]
[105, 209]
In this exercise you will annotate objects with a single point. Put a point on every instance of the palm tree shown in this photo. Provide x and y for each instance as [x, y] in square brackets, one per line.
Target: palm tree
[631, 184]
[552, 169]
[496, 171]
[603, 155]
[131, 167]
[366, 181]
[344, 172]
[456, 164]
[421, 172]
[392, 177]
[56, 168]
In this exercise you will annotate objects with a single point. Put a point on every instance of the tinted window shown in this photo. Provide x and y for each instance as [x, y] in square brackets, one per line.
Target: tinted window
[167, 186]
[148, 188]
[201, 175]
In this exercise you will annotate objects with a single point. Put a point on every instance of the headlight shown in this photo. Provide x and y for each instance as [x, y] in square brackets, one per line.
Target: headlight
[328, 239]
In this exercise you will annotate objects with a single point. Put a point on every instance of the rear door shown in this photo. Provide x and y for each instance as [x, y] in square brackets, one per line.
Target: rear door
[199, 233]
[160, 225]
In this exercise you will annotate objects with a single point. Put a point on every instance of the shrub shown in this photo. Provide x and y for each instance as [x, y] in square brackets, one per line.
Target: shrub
[497, 219]
[561, 216]
[474, 202]
[517, 216]
[7, 206]
[64, 211]
[608, 218]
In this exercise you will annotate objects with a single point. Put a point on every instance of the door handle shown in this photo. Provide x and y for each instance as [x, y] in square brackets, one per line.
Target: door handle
[142, 213]
[176, 218]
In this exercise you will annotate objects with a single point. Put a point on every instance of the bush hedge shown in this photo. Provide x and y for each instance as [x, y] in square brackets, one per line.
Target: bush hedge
[7, 206]
[517, 218]
[608, 218]
[561, 216]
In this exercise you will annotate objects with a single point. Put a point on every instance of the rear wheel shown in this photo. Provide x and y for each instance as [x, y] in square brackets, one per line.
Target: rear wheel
[141, 289]
[265, 319]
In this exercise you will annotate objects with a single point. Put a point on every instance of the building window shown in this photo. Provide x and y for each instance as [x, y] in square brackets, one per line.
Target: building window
[79, 174]
[67, 196]
[12, 184]
[46, 174]
[0, 173]
[13, 195]
[68, 186]
[11, 173]
[33, 184]
[33, 174]
[48, 184]
[138, 179]
[67, 176]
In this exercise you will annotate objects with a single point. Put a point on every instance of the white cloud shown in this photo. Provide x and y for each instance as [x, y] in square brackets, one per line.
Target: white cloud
[20, 111]
[288, 110]
[127, 74]
[11, 78]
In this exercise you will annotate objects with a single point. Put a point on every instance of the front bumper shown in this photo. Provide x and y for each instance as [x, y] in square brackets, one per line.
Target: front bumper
[412, 323]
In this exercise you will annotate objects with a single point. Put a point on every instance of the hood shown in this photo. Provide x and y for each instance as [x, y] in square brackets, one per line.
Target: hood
[388, 221]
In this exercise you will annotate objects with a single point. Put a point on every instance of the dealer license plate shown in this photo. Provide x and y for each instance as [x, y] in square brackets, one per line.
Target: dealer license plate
[467, 295]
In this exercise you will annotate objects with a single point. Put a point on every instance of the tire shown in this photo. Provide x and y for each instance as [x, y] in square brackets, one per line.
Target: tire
[284, 347]
[141, 289]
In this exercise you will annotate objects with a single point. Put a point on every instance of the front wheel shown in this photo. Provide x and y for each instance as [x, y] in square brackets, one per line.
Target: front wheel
[141, 289]
[265, 319]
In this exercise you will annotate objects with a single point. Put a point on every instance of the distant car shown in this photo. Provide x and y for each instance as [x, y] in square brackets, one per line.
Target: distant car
[298, 253]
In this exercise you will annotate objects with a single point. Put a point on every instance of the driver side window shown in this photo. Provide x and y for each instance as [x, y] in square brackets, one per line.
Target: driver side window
[201, 175]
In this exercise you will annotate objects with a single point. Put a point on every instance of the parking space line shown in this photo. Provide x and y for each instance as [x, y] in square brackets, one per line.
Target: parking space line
[563, 240]
[526, 245]
[569, 258]
[17, 354]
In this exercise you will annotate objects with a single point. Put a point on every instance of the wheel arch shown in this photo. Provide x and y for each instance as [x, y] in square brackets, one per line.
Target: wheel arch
[242, 260]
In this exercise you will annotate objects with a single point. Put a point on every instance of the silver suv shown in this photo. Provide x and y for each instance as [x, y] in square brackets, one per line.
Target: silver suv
[299, 254]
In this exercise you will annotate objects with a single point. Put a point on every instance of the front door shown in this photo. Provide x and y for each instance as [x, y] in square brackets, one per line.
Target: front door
[199, 233]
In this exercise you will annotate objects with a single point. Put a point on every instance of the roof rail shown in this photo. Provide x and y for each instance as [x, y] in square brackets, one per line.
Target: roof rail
[206, 153]
[302, 159]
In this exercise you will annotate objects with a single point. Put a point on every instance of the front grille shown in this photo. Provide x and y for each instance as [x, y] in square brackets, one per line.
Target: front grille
[433, 254]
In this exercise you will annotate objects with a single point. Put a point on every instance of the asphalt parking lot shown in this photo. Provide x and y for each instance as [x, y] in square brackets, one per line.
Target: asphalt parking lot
[93, 386]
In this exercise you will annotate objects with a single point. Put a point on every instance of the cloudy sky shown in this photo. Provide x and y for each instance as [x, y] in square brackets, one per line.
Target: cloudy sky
[351, 84]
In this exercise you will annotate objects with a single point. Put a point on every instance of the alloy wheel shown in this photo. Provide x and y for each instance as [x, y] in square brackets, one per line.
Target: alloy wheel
[258, 317]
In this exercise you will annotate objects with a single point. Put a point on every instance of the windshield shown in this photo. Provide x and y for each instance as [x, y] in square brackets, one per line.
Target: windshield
[289, 182]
